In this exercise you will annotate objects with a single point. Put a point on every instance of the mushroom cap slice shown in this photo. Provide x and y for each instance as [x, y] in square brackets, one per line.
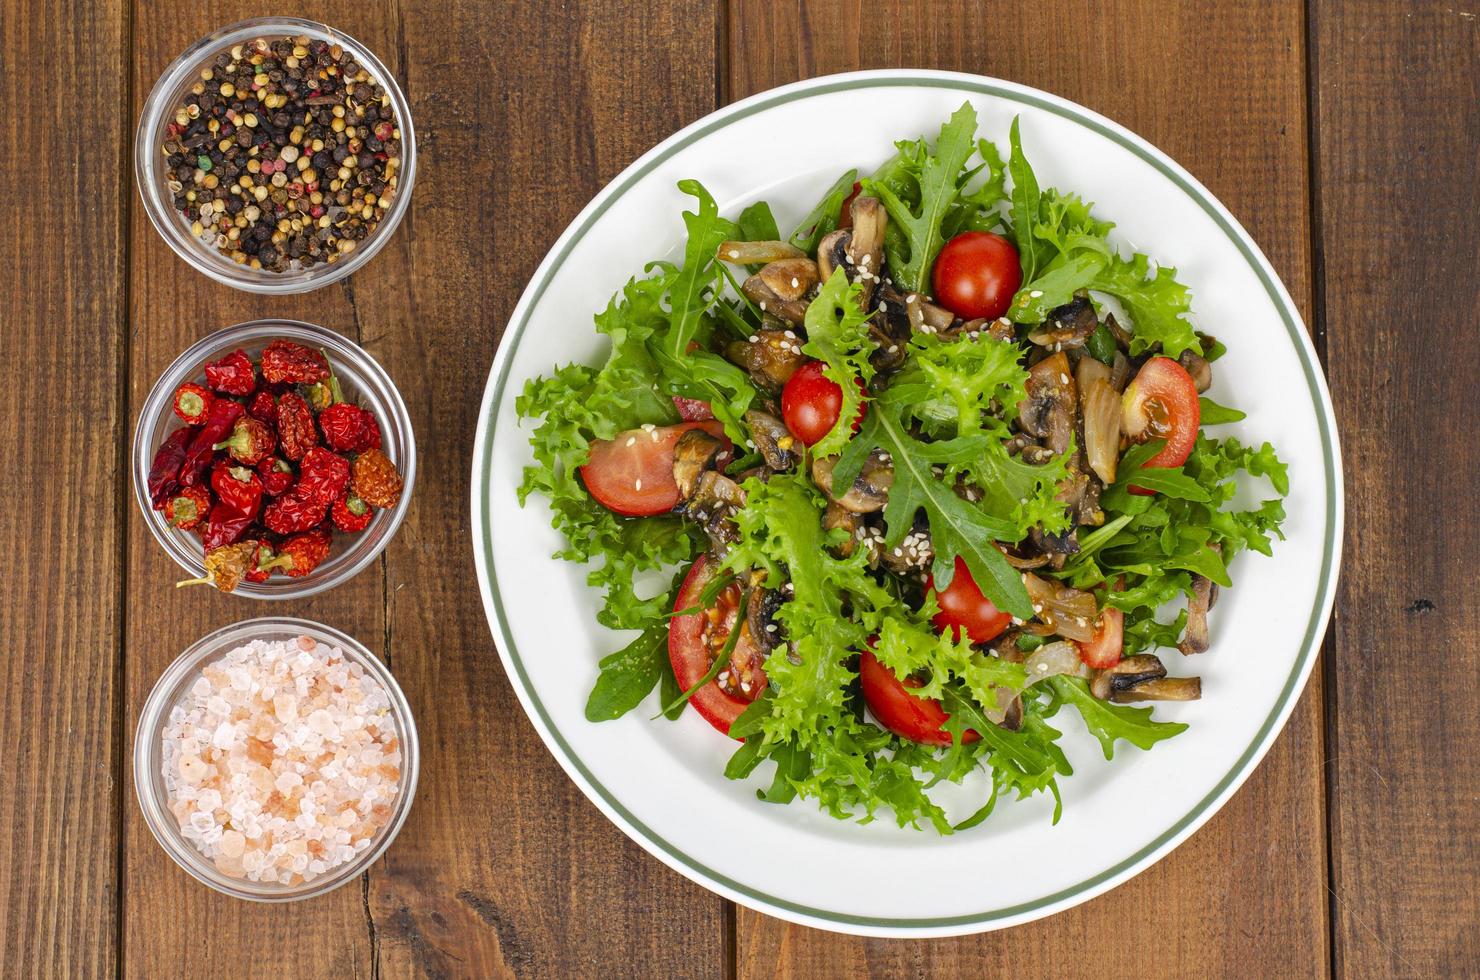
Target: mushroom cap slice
[870, 492]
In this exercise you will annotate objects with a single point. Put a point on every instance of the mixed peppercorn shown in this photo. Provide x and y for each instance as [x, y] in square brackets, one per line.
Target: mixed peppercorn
[271, 460]
[284, 154]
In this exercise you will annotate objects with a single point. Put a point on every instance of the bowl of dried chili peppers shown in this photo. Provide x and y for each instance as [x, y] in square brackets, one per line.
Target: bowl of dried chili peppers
[274, 459]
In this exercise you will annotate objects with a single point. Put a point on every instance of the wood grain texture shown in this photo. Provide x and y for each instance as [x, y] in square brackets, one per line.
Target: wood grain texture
[1399, 126]
[61, 423]
[174, 926]
[1252, 883]
[504, 868]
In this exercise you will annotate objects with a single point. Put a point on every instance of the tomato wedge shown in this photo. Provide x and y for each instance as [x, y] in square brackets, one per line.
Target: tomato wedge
[1103, 649]
[1161, 403]
[917, 719]
[632, 474]
[963, 607]
[695, 639]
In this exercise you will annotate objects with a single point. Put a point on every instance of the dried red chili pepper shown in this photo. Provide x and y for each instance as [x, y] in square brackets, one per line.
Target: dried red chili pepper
[223, 415]
[193, 402]
[302, 553]
[250, 441]
[233, 374]
[349, 428]
[238, 488]
[226, 525]
[322, 476]
[226, 565]
[187, 510]
[375, 479]
[164, 471]
[276, 475]
[285, 361]
[263, 408]
[351, 514]
[296, 432]
[294, 513]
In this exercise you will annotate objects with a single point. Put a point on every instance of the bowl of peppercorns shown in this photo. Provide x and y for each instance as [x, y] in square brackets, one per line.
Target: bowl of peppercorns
[273, 459]
[276, 155]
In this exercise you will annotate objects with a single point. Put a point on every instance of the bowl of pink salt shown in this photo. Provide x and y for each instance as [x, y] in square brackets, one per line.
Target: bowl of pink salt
[276, 759]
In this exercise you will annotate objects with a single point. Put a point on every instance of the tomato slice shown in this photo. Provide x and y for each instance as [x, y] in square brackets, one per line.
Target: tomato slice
[811, 403]
[1104, 648]
[917, 719]
[1161, 403]
[976, 275]
[632, 474]
[692, 409]
[695, 639]
[963, 607]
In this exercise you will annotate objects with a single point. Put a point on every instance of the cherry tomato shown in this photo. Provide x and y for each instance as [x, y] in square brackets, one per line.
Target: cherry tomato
[1103, 649]
[962, 606]
[632, 474]
[811, 403]
[1161, 403]
[976, 275]
[696, 639]
[917, 719]
[845, 214]
[692, 409]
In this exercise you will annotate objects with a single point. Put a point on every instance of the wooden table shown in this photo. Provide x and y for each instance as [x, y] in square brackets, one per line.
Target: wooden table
[1343, 135]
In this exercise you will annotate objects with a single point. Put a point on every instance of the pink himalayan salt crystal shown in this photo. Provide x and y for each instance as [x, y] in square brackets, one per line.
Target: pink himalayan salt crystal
[282, 762]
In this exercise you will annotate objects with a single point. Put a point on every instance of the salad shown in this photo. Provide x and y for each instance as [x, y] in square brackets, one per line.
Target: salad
[928, 475]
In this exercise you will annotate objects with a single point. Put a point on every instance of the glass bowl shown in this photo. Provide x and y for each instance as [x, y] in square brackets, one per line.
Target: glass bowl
[149, 172]
[172, 687]
[364, 381]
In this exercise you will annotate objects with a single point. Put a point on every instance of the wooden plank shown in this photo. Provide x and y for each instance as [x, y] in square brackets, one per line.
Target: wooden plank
[172, 925]
[1398, 123]
[504, 868]
[62, 485]
[1253, 880]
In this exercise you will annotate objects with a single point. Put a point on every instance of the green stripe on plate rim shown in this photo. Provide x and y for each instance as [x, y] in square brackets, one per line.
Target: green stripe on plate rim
[1313, 633]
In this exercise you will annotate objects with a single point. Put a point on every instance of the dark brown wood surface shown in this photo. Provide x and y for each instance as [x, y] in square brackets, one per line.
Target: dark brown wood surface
[1343, 135]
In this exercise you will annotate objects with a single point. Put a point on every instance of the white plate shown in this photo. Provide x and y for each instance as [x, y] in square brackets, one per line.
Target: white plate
[662, 782]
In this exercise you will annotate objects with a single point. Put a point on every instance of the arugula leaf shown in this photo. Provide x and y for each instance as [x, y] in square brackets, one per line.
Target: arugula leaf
[942, 175]
[1212, 413]
[958, 528]
[837, 335]
[758, 224]
[1107, 721]
[1026, 202]
[627, 676]
[690, 289]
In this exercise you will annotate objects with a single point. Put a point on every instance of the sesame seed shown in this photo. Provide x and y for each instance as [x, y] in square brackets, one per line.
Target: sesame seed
[1036, 293]
[637, 484]
[755, 338]
[648, 427]
[912, 298]
[734, 253]
[763, 306]
[745, 686]
[883, 307]
[631, 440]
[770, 627]
[794, 282]
[1063, 378]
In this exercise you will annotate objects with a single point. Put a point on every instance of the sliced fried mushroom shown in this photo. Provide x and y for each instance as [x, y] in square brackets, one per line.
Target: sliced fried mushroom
[1197, 366]
[790, 279]
[836, 518]
[1127, 673]
[870, 492]
[793, 311]
[1067, 326]
[772, 438]
[866, 246]
[1195, 636]
[933, 318]
[758, 253]
[1121, 335]
[760, 614]
[1160, 689]
[770, 359]
[832, 252]
[1049, 410]
[712, 506]
[695, 452]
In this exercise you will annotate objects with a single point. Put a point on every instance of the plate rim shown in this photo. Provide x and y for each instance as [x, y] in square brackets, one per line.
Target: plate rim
[893, 926]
